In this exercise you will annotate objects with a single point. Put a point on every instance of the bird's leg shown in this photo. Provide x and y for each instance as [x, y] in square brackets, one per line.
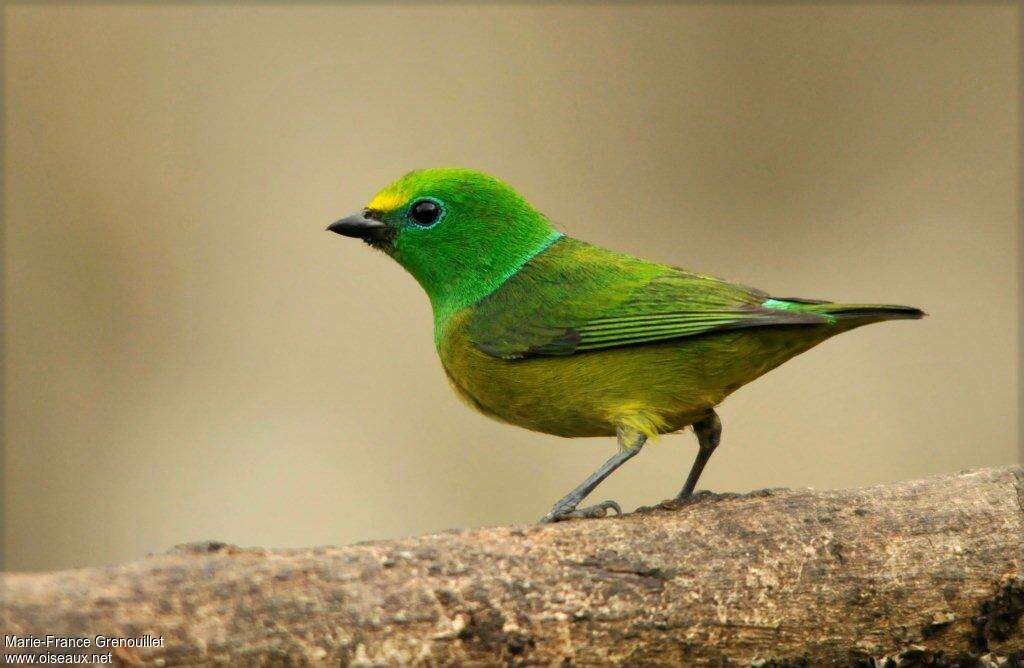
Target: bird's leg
[630, 442]
[709, 433]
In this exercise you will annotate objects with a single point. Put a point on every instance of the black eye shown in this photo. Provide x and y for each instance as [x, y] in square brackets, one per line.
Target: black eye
[425, 212]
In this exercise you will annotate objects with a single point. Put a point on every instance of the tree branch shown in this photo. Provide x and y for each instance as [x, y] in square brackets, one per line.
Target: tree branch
[929, 569]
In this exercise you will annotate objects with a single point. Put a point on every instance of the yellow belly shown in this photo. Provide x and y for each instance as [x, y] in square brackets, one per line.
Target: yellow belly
[657, 388]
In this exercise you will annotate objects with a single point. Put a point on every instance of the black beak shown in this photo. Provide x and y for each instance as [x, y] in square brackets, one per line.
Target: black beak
[360, 226]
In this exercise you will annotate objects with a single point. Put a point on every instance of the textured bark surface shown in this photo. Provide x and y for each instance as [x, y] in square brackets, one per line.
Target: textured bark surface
[922, 571]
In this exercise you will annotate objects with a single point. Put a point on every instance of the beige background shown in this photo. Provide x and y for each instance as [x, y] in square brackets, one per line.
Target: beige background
[189, 355]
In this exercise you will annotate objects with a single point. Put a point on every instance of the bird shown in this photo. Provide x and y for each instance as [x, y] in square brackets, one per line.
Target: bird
[544, 331]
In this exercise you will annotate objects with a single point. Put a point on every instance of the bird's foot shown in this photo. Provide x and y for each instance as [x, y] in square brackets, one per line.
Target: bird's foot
[560, 513]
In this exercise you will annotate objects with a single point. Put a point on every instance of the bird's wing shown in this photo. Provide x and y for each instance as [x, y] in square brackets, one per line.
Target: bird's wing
[574, 297]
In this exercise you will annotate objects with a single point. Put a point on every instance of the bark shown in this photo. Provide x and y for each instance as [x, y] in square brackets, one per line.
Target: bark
[922, 571]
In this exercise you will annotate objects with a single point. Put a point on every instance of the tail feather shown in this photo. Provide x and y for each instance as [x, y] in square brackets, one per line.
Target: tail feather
[863, 313]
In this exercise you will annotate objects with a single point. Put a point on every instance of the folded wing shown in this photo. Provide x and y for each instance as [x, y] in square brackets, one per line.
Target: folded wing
[574, 297]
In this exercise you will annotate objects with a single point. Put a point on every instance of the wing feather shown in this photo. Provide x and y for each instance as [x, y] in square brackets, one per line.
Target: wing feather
[574, 297]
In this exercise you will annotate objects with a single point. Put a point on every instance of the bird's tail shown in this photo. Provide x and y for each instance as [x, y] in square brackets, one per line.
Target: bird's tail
[849, 315]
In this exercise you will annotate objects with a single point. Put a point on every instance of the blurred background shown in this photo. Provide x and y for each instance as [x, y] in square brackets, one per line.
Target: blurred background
[189, 355]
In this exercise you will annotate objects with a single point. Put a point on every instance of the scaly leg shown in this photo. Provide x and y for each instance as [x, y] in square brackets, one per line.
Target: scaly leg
[630, 442]
[709, 433]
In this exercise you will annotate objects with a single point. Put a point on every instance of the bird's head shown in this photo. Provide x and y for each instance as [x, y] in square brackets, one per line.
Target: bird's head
[459, 232]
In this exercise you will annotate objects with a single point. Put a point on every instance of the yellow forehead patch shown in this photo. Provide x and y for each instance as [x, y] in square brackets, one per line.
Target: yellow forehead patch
[386, 200]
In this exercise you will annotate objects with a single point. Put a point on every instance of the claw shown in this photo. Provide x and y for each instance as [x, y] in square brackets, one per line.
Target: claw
[601, 509]
[590, 512]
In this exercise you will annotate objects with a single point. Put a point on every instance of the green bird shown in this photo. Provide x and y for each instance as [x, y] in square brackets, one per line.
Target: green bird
[553, 334]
